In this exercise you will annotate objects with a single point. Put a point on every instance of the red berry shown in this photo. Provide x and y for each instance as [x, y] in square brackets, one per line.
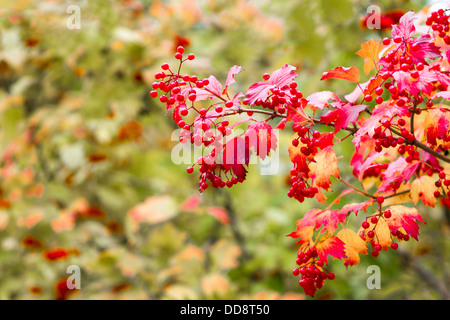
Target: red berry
[437, 194]
[371, 234]
[165, 66]
[191, 56]
[375, 253]
[266, 76]
[296, 272]
[180, 49]
[178, 56]
[331, 276]
[365, 225]
[394, 245]
[153, 94]
[368, 97]
[387, 214]
[380, 199]
[374, 220]
[190, 169]
[229, 104]
[386, 41]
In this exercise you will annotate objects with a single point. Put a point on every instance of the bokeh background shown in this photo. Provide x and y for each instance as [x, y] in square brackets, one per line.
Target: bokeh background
[86, 176]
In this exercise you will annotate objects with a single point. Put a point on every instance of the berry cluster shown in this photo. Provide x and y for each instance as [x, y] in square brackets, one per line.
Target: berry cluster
[202, 127]
[438, 21]
[369, 231]
[312, 271]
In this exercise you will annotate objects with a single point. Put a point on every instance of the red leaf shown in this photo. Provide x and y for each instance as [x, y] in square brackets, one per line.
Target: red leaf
[261, 137]
[279, 78]
[230, 78]
[349, 74]
[330, 245]
[404, 217]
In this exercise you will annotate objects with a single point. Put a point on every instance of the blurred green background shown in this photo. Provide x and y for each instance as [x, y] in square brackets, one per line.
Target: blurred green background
[86, 176]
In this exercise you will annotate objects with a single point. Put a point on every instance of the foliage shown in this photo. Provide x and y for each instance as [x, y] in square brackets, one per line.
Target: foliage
[396, 152]
[86, 175]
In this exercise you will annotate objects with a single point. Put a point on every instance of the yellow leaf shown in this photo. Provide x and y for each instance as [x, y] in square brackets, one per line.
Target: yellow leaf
[326, 167]
[354, 246]
[423, 189]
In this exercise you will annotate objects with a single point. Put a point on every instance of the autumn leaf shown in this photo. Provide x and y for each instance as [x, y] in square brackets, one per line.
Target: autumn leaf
[349, 74]
[382, 233]
[436, 125]
[326, 167]
[423, 189]
[330, 245]
[230, 78]
[370, 51]
[354, 246]
[261, 137]
[404, 217]
[279, 78]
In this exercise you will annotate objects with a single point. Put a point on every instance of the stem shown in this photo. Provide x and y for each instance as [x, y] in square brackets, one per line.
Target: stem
[356, 189]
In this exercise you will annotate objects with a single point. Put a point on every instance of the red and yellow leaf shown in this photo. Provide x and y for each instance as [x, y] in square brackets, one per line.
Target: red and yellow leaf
[354, 246]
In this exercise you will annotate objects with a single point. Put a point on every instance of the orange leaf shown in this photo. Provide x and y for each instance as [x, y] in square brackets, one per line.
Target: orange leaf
[354, 246]
[326, 167]
[349, 74]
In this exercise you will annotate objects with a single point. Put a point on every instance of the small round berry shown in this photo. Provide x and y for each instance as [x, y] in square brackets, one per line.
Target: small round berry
[190, 169]
[394, 245]
[380, 199]
[374, 220]
[368, 97]
[165, 66]
[365, 225]
[180, 49]
[178, 56]
[153, 94]
[229, 104]
[437, 194]
[331, 276]
[296, 272]
[266, 76]
[387, 214]
[191, 56]
[386, 41]
[371, 234]
[375, 253]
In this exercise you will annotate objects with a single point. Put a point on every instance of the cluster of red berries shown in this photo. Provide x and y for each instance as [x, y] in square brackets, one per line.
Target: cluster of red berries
[279, 98]
[438, 21]
[371, 234]
[312, 272]
[207, 129]
[299, 175]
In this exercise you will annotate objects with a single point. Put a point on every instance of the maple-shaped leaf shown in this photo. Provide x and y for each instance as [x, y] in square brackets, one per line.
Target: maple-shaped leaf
[406, 218]
[343, 115]
[382, 233]
[297, 114]
[423, 189]
[398, 171]
[436, 125]
[328, 219]
[230, 78]
[370, 51]
[405, 27]
[326, 166]
[279, 78]
[349, 74]
[329, 245]
[319, 100]
[303, 233]
[261, 137]
[354, 246]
